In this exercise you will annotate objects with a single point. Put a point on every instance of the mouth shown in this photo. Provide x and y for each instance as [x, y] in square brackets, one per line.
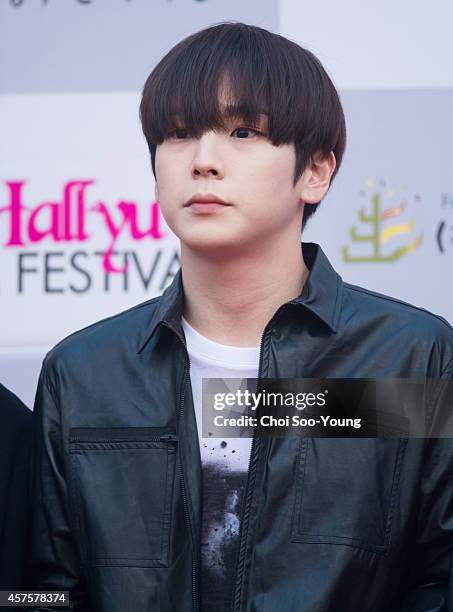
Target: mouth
[205, 203]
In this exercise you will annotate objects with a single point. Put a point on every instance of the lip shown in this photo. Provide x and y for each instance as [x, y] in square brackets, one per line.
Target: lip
[203, 208]
[206, 199]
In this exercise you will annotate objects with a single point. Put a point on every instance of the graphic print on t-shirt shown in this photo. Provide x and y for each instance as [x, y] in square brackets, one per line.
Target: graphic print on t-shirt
[221, 521]
[224, 466]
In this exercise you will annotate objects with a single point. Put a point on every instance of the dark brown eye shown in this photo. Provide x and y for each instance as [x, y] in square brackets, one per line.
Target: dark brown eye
[178, 134]
[246, 129]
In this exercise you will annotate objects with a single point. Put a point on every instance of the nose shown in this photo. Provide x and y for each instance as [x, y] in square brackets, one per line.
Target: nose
[207, 160]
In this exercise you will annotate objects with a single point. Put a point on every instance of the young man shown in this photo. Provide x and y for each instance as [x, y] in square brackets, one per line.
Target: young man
[135, 510]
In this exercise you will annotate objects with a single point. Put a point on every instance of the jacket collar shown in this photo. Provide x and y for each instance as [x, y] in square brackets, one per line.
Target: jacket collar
[323, 291]
[321, 295]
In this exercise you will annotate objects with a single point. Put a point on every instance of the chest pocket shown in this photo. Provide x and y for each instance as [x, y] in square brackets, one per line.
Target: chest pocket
[346, 491]
[121, 492]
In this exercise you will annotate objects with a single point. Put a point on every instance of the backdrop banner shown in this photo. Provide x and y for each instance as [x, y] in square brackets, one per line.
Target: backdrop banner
[81, 234]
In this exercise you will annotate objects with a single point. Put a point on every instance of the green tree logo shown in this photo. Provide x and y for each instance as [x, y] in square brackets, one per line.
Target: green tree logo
[380, 232]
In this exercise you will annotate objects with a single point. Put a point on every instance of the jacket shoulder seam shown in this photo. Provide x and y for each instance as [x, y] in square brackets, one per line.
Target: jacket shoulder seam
[48, 383]
[388, 298]
[118, 314]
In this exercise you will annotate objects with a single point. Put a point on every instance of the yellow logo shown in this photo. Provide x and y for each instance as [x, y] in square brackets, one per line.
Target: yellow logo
[381, 232]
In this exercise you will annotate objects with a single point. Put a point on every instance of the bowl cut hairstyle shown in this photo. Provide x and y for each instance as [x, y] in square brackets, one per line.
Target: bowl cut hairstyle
[260, 72]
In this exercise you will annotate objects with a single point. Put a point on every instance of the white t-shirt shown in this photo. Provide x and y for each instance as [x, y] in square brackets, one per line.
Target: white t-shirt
[224, 465]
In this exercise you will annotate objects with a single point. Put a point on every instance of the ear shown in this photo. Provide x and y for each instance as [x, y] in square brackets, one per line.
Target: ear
[315, 179]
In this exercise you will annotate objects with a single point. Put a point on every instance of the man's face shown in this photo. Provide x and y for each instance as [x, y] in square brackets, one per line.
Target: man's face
[242, 167]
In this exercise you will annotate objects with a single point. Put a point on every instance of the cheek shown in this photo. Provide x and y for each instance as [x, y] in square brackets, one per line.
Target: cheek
[160, 166]
[273, 169]
[271, 187]
[284, 166]
[167, 189]
[166, 165]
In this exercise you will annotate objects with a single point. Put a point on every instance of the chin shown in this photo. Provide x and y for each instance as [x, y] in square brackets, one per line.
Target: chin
[210, 242]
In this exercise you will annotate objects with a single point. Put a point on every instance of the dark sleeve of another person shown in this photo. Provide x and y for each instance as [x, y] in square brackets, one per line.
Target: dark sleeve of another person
[15, 454]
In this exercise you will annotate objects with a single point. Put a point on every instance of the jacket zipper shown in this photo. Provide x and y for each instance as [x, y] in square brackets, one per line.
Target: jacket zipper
[248, 488]
[250, 485]
[183, 483]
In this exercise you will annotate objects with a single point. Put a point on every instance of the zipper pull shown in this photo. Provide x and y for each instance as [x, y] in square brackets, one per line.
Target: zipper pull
[168, 438]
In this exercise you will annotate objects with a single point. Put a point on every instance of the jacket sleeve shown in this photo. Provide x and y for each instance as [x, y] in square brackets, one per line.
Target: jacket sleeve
[53, 557]
[430, 586]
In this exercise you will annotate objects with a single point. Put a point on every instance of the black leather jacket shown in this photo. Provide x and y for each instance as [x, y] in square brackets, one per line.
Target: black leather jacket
[328, 525]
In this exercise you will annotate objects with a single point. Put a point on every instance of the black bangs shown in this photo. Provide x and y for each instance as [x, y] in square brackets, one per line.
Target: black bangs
[186, 85]
[236, 70]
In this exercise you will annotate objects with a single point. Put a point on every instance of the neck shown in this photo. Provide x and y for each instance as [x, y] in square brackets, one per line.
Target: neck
[231, 299]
